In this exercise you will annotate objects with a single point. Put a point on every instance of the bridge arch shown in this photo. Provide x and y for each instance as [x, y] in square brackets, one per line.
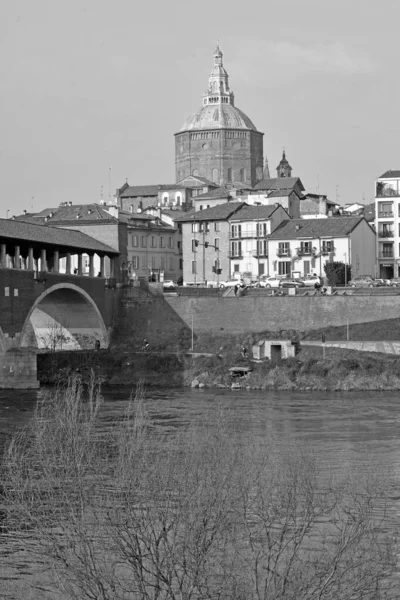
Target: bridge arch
[64, 317]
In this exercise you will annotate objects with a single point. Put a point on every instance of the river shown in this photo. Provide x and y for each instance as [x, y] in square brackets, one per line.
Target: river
[341, 428]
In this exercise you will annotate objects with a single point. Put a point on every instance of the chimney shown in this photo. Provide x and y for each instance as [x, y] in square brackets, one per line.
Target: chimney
[297, 227]
[70, 203]
[46, 218]
[50, 215]
[25, 211]
[89, 211]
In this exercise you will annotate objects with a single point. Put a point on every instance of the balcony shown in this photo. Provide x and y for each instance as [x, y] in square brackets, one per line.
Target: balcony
[384, 191]
[283, 253]
[385, 215]
[305, 251]
[386, 254]
[235, 255]
[261, 254]
[385, 234]
[248, 235]
[325, 250]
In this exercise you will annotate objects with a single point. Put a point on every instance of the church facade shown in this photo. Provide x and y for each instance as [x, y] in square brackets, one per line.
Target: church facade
[219, 142]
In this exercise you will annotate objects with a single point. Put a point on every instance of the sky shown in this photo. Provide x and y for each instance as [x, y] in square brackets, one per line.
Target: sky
[92, 91]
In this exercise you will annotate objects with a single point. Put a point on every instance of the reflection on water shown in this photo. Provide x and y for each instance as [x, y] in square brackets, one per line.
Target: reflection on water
[342, 429]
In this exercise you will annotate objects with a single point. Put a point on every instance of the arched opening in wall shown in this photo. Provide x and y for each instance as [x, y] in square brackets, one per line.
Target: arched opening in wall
[64, 317]
[215, 175]
[230, 175]
[178, 199]
[165, 199]
[195, 172]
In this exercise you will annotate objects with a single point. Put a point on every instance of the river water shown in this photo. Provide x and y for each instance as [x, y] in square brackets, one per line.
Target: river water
[343, 429]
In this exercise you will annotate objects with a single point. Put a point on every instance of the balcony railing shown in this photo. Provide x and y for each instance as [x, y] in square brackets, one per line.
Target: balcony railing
[304, 251]
[248, 234]
[386, 254]
[385, 215]
[261, 254]
[235, 254]
[327, 250]
[386, 234]
[386, 192]
[282, 253]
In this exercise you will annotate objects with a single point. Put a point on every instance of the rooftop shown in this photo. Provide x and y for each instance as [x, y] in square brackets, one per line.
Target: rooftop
[332, 227]
[390, 174]
[254, 213]
[69, 213]
[43, 234]
[133, 191]
[216, 213]
[279, 184]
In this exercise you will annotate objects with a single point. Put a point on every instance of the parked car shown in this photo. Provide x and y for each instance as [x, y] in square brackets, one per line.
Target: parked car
[363, 281]
[311, 280]
[231, 283]
[395, 282]
[169, 284]
[291, 282]
[268, 281]
[382, 282]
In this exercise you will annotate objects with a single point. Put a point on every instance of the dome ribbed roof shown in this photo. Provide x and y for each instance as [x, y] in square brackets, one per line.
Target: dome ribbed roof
[218, 116]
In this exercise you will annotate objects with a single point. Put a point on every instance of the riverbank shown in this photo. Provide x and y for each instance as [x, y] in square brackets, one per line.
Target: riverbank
[341, 369]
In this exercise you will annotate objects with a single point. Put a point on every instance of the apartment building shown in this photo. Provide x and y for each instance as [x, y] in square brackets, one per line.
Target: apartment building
[387, 223]
[302, 246]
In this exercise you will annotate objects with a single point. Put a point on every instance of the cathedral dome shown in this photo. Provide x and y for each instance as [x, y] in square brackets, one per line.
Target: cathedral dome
[219, 116]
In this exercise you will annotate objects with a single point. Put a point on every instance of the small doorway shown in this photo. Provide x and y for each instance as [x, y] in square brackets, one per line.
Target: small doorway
[276, 353]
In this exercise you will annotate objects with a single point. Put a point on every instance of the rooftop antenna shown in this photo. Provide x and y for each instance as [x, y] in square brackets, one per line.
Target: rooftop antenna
[33, 199]
[101, 192]
[337, 194]
[318, 183]
[109, 182]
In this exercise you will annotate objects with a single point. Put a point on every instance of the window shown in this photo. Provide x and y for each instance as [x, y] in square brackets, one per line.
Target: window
[135, 262]
[236, 248]
[135, 241]
[261, 269]
[179, 245]
[236, 268]
[201, 207]
[327, 246]
[262, 249]
[153, 241]
[307, 266]
[230, 175]
[284, 267]
[195, 173]
[162, 262]
[178, 199]
[144, 262]
[262, 229]
[181, 264]
[243, 175]
[205, 227]
[194, 266]
[216, 226]
[194, 246]
[216, 243]
[170, 242]
[236, 231]
[143, 241]
[171, 263]
[215, 175]
[161, 242]
[153, 262]
[385, 209]
[195, 227]
[305, 248]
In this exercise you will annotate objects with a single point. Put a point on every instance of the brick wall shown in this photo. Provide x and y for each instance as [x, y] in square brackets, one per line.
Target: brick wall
[257, 314]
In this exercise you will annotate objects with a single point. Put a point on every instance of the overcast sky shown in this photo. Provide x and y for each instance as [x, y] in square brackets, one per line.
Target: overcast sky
[90, 84]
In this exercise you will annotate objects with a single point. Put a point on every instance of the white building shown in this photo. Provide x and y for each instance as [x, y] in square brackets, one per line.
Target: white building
[302, 246]
[387, 211]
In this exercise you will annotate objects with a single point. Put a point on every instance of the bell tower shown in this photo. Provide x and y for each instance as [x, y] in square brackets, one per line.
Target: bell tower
[284, 169]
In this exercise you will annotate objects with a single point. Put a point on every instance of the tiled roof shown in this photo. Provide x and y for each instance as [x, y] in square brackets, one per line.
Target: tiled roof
[279, 183]
[216, 213]
[133, 191]
[70, 213]
[253, 213]
[220, 192]
[389, 174]
[332, 227]
[173, 214]
[55, 236]
[171, 186]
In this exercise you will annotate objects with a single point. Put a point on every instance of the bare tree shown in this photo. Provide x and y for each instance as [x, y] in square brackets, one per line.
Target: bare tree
[205, 513]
